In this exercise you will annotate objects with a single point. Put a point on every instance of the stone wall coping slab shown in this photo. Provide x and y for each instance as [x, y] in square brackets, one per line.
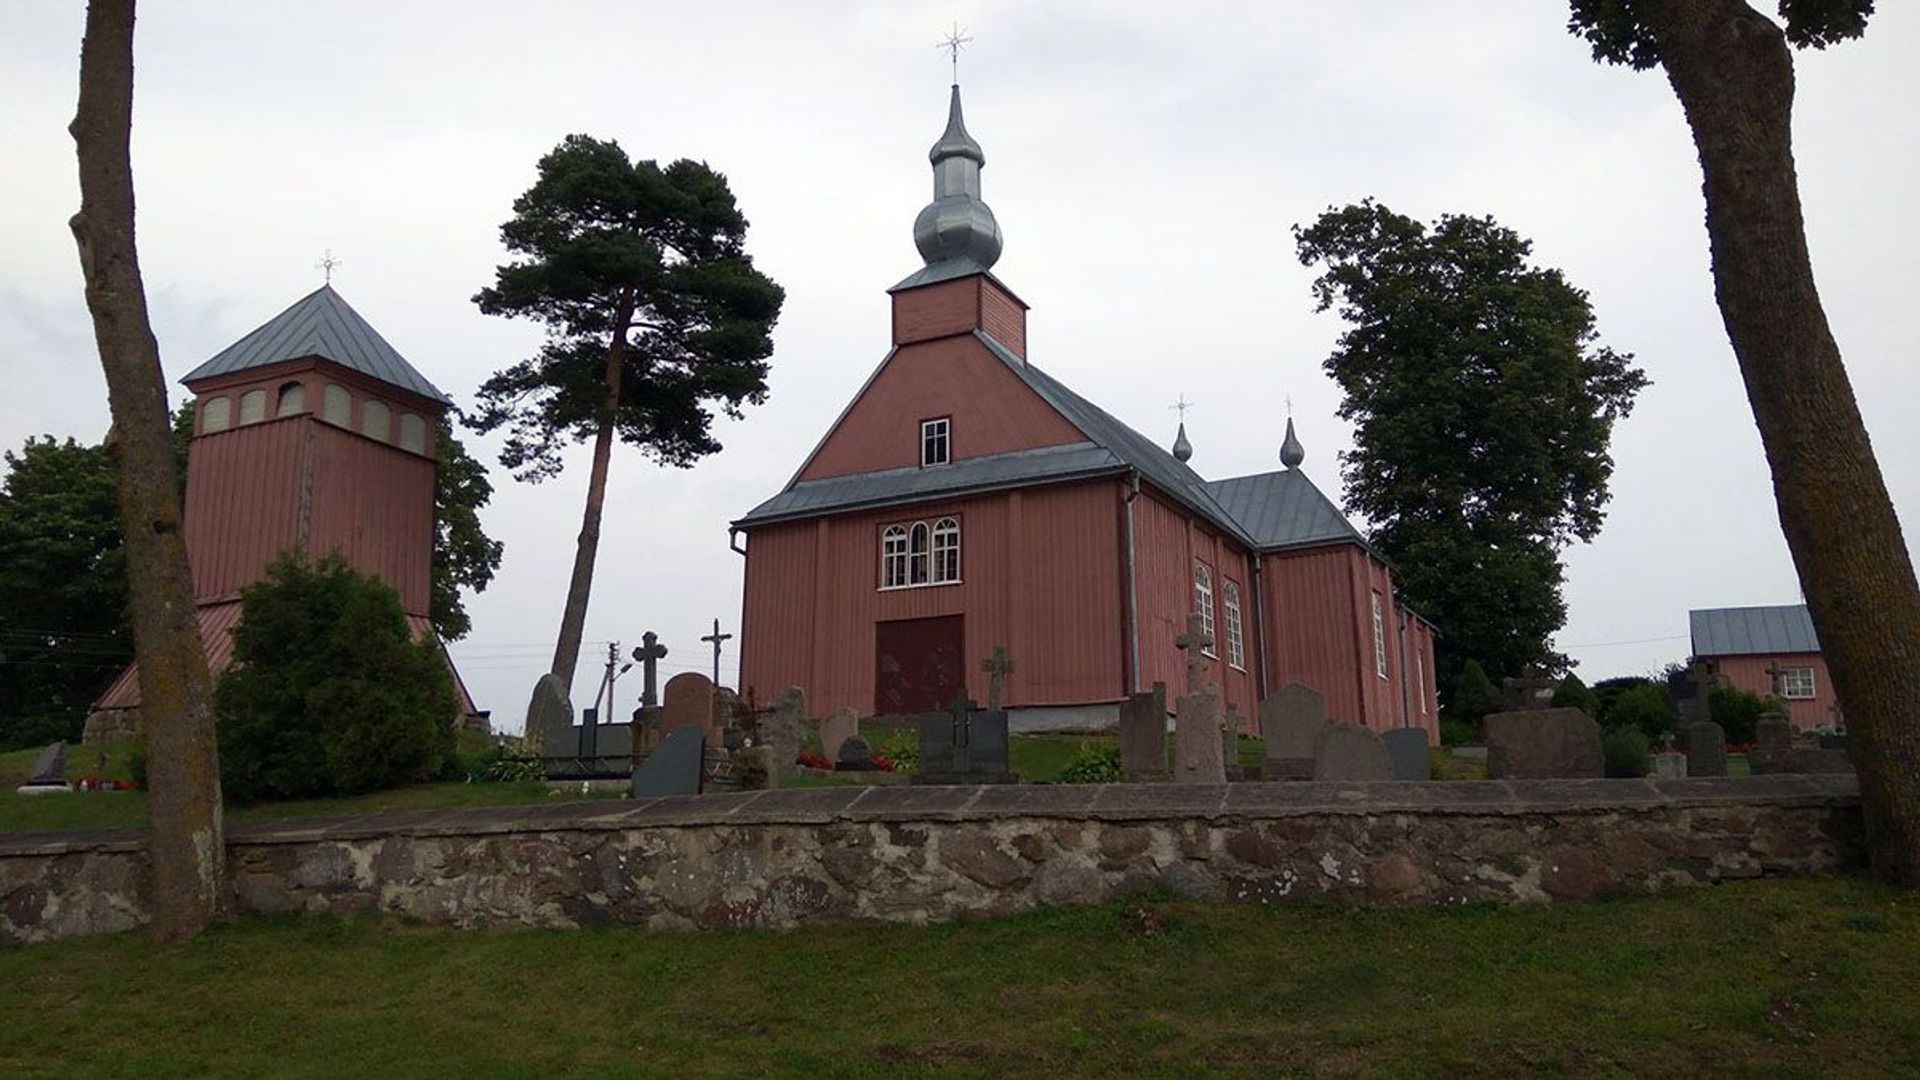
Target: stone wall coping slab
[1104, 802]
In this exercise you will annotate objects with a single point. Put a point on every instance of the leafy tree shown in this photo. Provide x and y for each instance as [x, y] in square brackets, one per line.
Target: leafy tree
[1732, 69]
[1482, 407]
[1573, 694]
[1608, 691]
[1474, 695]
[63, 589]
[1647, 707]
[464, 556]
[329, 693]
[186, 846]
[1738, 711]
[653, 310]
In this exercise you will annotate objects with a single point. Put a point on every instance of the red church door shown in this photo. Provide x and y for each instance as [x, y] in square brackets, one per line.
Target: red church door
[919, 665]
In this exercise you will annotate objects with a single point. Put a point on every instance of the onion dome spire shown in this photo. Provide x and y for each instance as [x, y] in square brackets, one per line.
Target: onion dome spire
[1291, 452]
[1182, 449]
[956, 233]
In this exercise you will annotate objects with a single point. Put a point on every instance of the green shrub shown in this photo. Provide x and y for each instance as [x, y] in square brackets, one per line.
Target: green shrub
[898, 745]
[1609, 691]
[1455, 733]
[329, 693]
[1474, 695]
[1573, 694]
[750, 768]
[1647, 708]
[1738, 711]
[1093, 765]
[1626, 750]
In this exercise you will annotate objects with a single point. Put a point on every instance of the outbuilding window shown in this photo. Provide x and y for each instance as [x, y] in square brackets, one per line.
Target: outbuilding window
[936, 443]
[1379, 637]
[1236, 647]
[914, 553]
[1796, 683]
[1203, 601]
[216, 414]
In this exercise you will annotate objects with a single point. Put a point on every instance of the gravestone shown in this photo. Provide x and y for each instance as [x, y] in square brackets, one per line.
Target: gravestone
[649, 653]
[1527, 693]
[840, 725]
[964, 745]
[1230, 727]
[1407, 749]
[49, 772]
[781, 731]
[1692, 690]
[688, 700]
[1348, 752]
[997, 667]
[674, 767]
[1195, 643]
[647, 733]
[1196, 740]
[1669, 765]
[550, 719]
[855, 755]
[1706, 747]
[1143, 737]
[1291, 719]
[1772, 744]
[1543, 744]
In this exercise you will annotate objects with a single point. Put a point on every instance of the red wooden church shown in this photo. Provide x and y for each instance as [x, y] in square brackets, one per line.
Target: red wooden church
[311, 433]
[967, 500]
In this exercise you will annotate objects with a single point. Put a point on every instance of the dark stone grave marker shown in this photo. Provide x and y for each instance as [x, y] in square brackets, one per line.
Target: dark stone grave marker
[674, 767]
[1407, 748]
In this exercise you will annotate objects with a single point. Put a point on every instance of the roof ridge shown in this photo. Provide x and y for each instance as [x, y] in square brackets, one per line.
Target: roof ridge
[320, 324]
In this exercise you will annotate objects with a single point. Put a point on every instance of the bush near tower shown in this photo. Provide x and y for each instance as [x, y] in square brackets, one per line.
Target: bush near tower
[329, 692]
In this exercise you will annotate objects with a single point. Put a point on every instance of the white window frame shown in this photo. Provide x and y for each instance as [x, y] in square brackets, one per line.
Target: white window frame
[1793, 688]
[1203, 603]
[1420, 680]
[893, 557]
[919, 551]
[1236, 643]
[946, 551]
[936, 441]
[1379, 637]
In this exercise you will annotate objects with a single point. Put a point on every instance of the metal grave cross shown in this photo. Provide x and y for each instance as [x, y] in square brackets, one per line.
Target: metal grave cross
[962, 713]
[650, 652]
[716, 637]
[1194, 642]
[998, 667]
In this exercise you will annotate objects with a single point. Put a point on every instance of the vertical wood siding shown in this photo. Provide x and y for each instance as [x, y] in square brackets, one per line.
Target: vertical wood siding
[1168, 541]
[243, 502]
[373, 503]
[993, 411]
[1003, 317]
[1749, 673]
[813, 602]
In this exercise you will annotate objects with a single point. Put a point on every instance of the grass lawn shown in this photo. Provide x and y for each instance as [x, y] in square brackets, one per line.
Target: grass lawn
[1807, 978]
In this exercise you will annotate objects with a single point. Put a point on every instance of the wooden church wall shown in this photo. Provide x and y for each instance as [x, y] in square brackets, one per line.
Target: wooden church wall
[1167, 541]
[243, 502]
[993, 412]
[1039, 576]
[373, 503]
[1319, 626]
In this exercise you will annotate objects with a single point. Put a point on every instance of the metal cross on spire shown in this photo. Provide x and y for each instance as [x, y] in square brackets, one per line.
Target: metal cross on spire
[955, 40]
[327, 265]
[1289, 406]
[1181, 405]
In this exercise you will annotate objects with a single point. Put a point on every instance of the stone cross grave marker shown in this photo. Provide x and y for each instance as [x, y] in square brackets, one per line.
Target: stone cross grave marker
[998, 667]
[649, 653]
[1143, 737]
[1197, 748]
[1194, 643]
[1291, 719]
[782, 729]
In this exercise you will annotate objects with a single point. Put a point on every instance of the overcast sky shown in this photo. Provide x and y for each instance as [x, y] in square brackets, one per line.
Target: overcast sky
[1146, 164]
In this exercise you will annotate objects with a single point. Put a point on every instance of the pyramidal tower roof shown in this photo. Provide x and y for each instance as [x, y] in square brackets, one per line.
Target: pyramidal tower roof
[320, 324]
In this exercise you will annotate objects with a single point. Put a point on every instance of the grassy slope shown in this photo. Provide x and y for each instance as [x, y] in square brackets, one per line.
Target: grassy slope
[1775, 978]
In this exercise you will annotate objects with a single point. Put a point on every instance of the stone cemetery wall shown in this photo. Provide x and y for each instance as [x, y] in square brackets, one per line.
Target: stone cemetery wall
[918, 854]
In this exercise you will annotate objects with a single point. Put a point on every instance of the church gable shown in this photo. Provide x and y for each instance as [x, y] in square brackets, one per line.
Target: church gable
[988, 410]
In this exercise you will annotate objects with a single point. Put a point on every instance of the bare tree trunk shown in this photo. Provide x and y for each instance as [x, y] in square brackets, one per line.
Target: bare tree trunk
[573, 621]
[1733, 72]
[187, 847]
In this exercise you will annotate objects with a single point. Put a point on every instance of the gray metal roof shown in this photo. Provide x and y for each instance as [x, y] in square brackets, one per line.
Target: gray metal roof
[888, 487]
[320, 324]
[1283, 509]
[1747, 631]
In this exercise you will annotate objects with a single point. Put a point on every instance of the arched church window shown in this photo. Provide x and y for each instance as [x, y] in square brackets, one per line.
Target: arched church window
[216, 414]
[413, 433]
[917, 557]
[336, 405]
[1203, 601]
[293, 399]
[1236, 644]
[376, 420]
[946, 551]
[893, 557]
[253, 406]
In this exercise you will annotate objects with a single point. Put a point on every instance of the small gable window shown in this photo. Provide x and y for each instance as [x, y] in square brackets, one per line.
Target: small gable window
[376, 420]
[336, 405]
[936, 441]
[1796, 683]
[216, 414]
[1236, 645]
[920, 553]
[253, 406]
[413, 433]
[1203, 601]
[293, 399]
